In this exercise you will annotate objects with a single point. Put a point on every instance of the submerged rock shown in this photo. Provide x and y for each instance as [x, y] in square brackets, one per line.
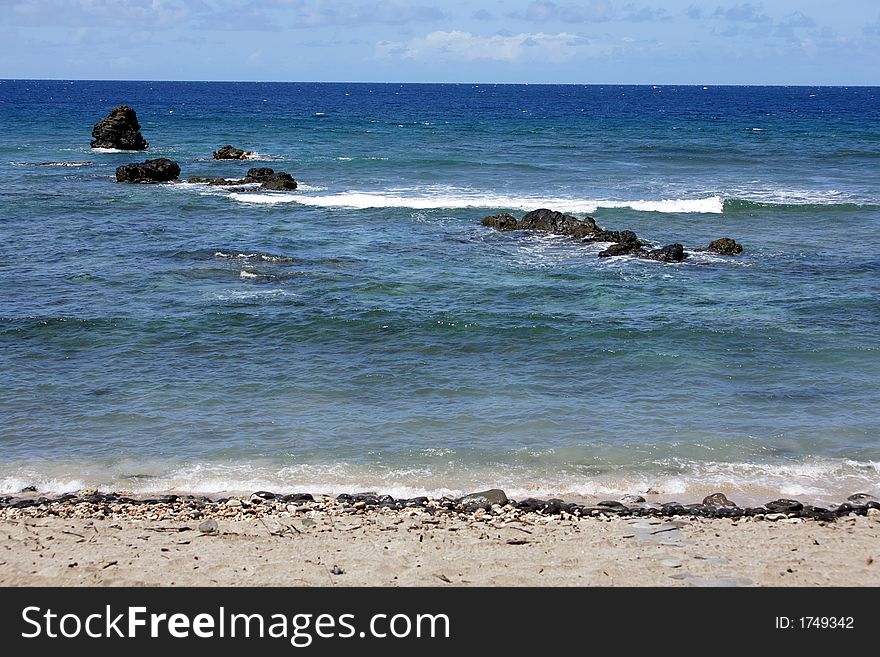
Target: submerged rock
[212, 181]
[119, 129]
[622, 249]
[724, 246]
[229, 152]
[152, 171]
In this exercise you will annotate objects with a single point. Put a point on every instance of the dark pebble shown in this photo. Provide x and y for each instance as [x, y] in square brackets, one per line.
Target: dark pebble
[612, 504]
[531, 504]
[784, 506]
[336, 570]
[29, 489]
[344, 497]
[298, 497]
[415, 502]
[861, 497]
[553, 507]
[264, 494]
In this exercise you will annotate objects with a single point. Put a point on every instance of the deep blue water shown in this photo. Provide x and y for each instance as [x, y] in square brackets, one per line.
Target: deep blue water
[365, 332]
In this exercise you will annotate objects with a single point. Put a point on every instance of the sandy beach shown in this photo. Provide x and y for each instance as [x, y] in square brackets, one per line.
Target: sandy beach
[324, 542]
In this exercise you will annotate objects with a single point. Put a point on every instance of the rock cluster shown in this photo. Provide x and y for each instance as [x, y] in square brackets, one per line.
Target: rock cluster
[152, 171]
[230, 152]
[623, 242]
[268, 179]
[119, 129]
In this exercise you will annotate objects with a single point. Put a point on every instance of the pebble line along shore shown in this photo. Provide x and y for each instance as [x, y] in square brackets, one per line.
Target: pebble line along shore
[485, 505]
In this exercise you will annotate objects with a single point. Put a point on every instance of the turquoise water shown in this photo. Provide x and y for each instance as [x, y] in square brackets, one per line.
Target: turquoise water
[365, 332]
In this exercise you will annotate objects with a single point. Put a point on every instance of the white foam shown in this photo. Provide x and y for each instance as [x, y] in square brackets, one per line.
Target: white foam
[248, 275]
[262, 157]
[438, 474]
[421, 201]
[116, 150]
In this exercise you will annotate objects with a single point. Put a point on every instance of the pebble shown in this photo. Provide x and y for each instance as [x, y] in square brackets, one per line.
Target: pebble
[209, 526]
[632, 499]
[234, 503]
[873, 513]
[336, 570]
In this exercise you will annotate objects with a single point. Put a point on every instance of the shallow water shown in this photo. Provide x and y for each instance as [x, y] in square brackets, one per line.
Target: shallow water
[365, 332]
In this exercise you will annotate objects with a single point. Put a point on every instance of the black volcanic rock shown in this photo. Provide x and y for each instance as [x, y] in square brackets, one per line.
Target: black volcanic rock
[500, 222]
[258, 174]
[279, 181]
[668, 253]
[622, 249]
[152, 171]
[119, 129]
[230, 152]
[270, 179]
[724, 246]
[558, 223]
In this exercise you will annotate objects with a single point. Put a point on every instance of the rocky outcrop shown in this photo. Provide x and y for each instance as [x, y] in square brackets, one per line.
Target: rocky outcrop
[724, 246]
[230, 152]
[270, 179]
[668, 253]
[623, 242]
[558, 223]
[119, 129]
[152, 171]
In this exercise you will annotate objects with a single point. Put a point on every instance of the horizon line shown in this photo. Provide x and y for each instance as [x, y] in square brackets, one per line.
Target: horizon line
[548, 84]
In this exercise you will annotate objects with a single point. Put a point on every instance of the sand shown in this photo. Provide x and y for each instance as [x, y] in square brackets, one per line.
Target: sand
[410, 547]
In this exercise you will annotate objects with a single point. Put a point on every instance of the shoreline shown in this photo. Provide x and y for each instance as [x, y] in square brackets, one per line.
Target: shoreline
[94, 540]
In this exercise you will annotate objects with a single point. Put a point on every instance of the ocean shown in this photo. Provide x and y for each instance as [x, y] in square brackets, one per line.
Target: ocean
[365, 332]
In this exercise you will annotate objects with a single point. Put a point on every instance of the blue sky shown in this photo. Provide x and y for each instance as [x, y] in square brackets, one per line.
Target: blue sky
[590, 41]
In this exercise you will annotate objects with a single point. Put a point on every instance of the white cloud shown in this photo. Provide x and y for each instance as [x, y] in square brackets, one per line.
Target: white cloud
[465, 46]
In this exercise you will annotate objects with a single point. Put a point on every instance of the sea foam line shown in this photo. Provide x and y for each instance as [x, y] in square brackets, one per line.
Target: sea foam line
[364, 200]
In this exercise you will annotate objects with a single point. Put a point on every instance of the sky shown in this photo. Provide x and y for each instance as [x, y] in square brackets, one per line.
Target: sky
[809, 42]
